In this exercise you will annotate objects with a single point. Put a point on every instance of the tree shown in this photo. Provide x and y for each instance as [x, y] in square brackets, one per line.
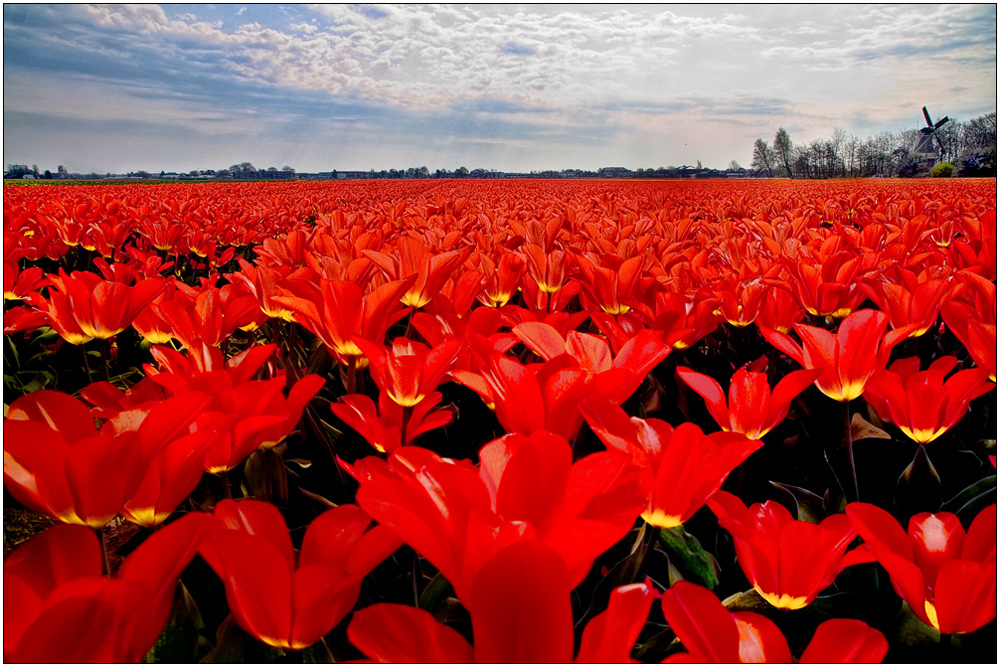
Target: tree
[942, 170]
[835, 161]
[784, 149]
[763, 158]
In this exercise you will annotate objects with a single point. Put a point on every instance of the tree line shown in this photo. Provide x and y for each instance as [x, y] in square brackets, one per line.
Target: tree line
[970, 146]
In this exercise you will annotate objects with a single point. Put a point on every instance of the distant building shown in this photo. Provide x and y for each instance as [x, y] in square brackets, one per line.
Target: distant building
[614, 172]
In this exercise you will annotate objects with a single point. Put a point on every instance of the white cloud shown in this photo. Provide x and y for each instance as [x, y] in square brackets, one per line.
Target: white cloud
[620, 72]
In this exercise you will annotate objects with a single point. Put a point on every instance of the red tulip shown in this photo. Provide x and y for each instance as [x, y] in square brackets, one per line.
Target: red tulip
[546, 285]
[209, 315]
[58, 607]
[614, 284]
[262, 282]
[741, 300]
[780, 311]
[614, 378]
[683, 323]
[533, 398]
[846, 359]
[973, 320]
[56, 461]
[387, 428]
[414, 258]
[81, 306]
[336, 311]
[912, 301]
[502, 278]
[789, 562]
[18, 284]
[479, 332]
[948, 576]
[830, 283]
[248, 546]
[172, 475]
[711, 633]
[408, 370]
[247, 413]
[921, 403]
[522, 614]
[459, 517]
[149, 322]
[753, 409]
[681, 468]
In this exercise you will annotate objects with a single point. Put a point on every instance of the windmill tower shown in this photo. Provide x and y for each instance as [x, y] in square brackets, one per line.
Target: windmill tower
[927, 143]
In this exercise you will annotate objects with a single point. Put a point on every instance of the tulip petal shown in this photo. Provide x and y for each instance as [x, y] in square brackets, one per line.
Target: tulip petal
[845, 640]
[610, 636]
[393, 633]
[521, 607]
[703, 625]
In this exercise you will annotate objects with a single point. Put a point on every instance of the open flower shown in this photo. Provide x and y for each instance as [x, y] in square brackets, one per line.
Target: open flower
[948, 576]
[846, 359]
[753, 409]
[681, 468]
[408, 370]
[58, 608]
[56, 461]
[921, 403]
[789, 562]
[280, 604]
[82, 306]
[459, 516]
[521, 614]
[387, 428]
[711, 633]
[337, 310]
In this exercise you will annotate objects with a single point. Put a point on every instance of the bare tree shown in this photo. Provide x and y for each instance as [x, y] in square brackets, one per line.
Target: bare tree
[784, 149]
[763, 158]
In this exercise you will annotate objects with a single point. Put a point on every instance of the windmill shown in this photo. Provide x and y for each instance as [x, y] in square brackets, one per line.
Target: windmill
[924, 144]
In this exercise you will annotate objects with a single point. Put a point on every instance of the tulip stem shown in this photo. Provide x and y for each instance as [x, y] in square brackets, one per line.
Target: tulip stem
[351, 372]
[407, 411]
[106, 358]
[850, 448]
[86, 363]
[106, 558]
[944, 647]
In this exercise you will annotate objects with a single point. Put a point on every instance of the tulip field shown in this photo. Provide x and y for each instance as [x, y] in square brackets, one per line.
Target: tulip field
[501, 421]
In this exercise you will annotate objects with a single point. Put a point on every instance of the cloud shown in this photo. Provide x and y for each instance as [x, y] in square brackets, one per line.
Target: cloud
[493, 75]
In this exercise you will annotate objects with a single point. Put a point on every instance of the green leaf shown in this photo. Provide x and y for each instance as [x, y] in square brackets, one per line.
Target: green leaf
[834, 500]
[909, 630]
[973, 498]
[655, 648]
[266, 477]
[688, 556]
[318, 498]
[918, 488]
[747, 601]
[181, 640]
[809, 505]
[232, 644]
[434, 592]
[862, 429]
[318, 654]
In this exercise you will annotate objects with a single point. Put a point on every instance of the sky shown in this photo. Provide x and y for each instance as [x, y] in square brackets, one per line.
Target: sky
[510, 87]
